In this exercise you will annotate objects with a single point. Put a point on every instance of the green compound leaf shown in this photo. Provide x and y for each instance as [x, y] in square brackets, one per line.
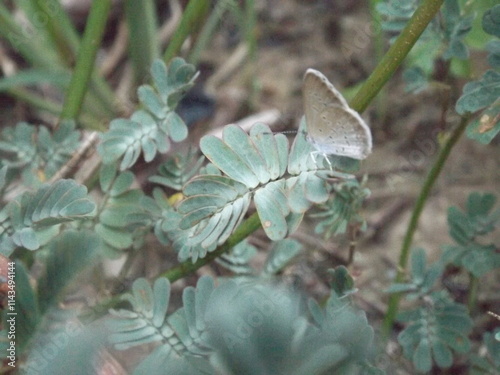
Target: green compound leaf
[449, 28]
[455, 30]
[281, 255]
[396, 14]
[177, 170]
[479, 94]
[237, 260]
[489, 362]
[148, 130]
[180, 332]
[342, 282]
[144, 325]
[230, 328]
[118, 219]
[36, 152]
[444, 37]
[214, 205]
[493, 47]
[33, 217]
[342, 209]
[484, 93]
[491, 21]
[437, 328]
[466, 228]
[415, 79]
[423, 278]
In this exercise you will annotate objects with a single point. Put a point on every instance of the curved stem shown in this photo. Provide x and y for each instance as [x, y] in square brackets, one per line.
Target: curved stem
[417, 210]
[396, 54]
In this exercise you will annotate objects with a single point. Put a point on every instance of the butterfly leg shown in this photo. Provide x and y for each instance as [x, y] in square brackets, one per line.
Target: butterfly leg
[313, 157]
[328, 161]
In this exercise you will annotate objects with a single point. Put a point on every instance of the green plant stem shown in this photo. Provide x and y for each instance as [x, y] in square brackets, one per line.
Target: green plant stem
[379, 42]
[250, 29]
[86, 59]
[59, 28]
[67, 41]
[25, 41]
[250, 17]
[37, 44]
[472, 297]
[191, 21]
[250, 225]
[396, 54]
[417, 210]
[208, 30]
[143, 41]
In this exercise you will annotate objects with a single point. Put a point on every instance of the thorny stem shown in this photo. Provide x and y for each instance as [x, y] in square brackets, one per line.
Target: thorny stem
[417, 210]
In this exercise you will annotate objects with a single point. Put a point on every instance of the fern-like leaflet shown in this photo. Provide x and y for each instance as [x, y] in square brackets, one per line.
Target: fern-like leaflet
[254, 167]
[33, 218]
[231, 327]
[467, 228]
[148, 130]
[438, 326]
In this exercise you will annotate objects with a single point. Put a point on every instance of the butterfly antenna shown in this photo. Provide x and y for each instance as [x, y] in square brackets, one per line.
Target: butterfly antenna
[286, 132]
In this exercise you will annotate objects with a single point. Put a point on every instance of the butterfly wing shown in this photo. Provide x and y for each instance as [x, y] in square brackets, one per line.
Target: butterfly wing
[333, 127]
[341, 131]
[319, 94]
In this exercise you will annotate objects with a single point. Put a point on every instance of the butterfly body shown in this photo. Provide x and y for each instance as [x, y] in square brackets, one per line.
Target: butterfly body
[333, 128]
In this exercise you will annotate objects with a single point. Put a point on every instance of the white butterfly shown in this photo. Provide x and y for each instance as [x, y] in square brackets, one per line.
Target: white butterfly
[333, 127]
